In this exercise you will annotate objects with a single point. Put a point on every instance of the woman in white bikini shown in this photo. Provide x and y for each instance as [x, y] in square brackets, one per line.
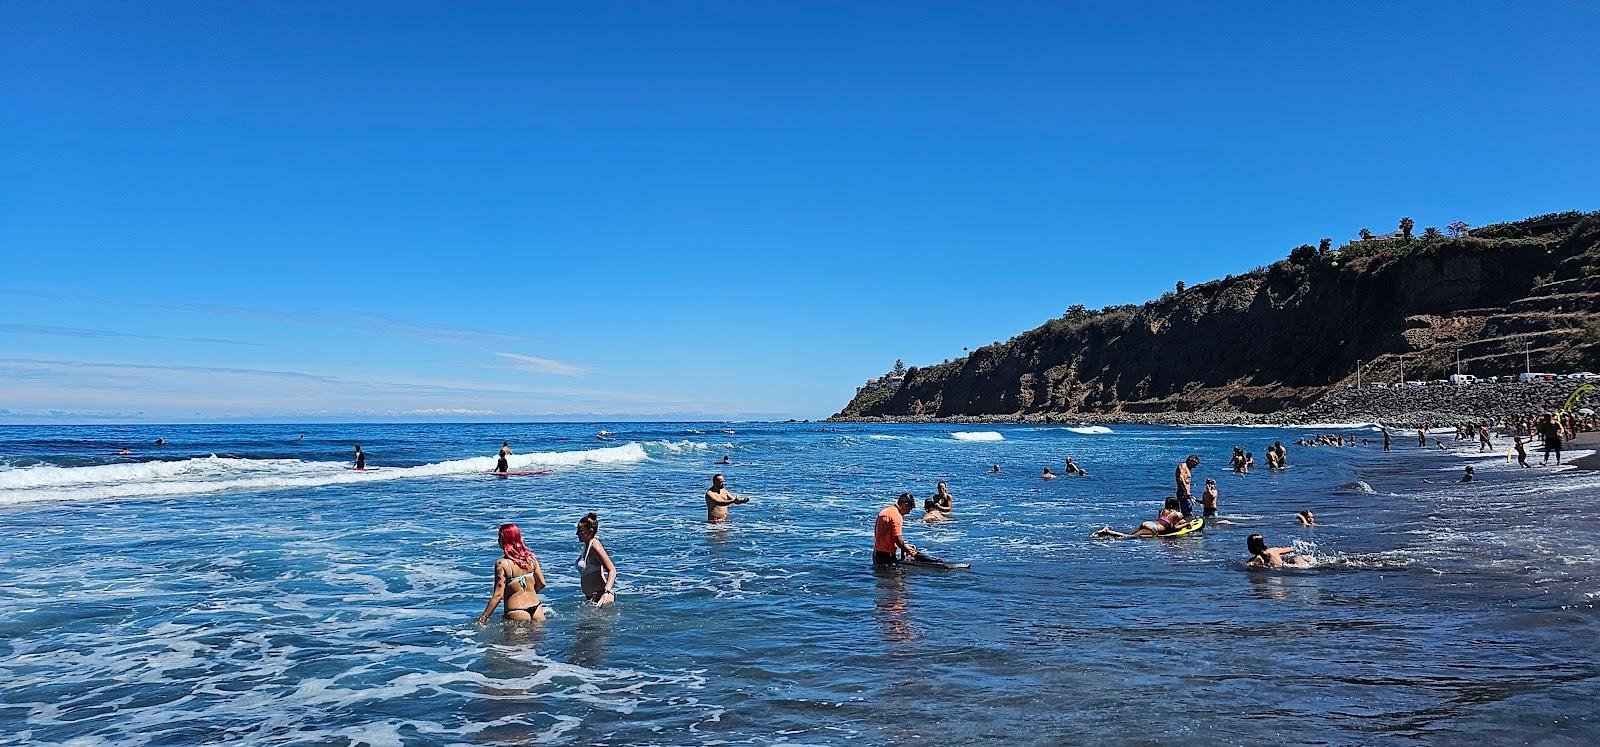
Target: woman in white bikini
[517, 579]
[595, 571]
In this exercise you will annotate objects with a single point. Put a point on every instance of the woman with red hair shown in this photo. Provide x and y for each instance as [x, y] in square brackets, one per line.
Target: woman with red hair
[517, 579]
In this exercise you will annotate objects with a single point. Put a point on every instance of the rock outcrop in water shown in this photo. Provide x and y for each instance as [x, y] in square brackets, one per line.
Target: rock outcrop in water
[1280, 337]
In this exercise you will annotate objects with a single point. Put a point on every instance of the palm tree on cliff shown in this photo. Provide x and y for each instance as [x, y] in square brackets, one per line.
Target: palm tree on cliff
[1406, 224]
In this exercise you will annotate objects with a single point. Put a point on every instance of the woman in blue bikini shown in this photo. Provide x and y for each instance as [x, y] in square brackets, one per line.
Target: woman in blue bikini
[517, 579]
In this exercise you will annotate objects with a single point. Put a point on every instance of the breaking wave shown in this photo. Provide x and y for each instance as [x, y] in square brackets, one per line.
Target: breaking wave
[977, 436]
[214, 474]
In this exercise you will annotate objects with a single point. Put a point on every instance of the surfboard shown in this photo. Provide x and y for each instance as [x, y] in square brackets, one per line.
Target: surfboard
[517, 473]
[363, 469]
[935, 564]
[1193, 525]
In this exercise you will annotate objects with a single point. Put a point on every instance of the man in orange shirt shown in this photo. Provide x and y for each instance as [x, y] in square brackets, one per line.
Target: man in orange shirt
[886, 538]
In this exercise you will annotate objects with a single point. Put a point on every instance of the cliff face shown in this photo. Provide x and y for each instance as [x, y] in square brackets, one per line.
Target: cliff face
[1281, 335]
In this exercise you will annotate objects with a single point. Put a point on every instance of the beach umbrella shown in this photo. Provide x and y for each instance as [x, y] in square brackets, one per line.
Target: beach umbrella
[1585, 411]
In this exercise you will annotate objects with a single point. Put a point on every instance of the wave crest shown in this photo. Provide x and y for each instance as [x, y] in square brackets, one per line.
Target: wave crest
[216, 474]
[977, 436]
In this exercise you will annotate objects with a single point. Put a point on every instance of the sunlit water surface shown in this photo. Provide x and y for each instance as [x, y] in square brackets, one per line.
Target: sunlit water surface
[239, 585]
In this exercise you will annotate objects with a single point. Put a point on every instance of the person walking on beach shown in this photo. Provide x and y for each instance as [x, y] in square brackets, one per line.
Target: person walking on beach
[1185, 480]
[1484, 444]
[1522, 452]
[1551, 432]
[517, 579]
[361, 458]
[503, 464]
[1422, 437]
[596, 574]
[887, 537]
[718, 499]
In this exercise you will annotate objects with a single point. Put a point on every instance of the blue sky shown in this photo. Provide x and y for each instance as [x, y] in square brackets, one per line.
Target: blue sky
[508, 210]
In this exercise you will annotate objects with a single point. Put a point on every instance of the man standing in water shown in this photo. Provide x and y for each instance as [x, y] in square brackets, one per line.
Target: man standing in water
[361, 458]
[718, 499]
[504, 462]
[1385, 439]
[886, 532]
[1185, 483]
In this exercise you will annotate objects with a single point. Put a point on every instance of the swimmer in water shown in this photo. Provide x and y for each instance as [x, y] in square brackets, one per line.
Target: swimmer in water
[517, 579]
[361, 458]
[1307, 519]
[1168, 519]
[504, 462]
[1048, 475]
[718, 499]
[161, 441]
[1208, 504]
[1468, 477]
[887, 536]
[1262, 556]
[124, 452]
[996, 469]
[724, 460]
[940, 506]
[596, 574]
[1074, 469]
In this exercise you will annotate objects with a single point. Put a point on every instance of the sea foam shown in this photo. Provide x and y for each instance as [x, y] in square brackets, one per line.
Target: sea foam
[977, 436]
[213, 474]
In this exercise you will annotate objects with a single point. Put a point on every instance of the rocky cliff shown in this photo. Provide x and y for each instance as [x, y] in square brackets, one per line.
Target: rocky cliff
[1279, 337]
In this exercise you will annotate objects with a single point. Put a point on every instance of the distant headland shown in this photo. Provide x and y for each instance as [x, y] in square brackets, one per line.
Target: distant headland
[1366, 331]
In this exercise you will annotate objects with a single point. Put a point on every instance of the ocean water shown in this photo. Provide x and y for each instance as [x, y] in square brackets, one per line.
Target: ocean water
[239, 586]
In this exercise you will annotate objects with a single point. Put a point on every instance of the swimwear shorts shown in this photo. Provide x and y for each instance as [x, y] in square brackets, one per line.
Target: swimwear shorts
[884, 558]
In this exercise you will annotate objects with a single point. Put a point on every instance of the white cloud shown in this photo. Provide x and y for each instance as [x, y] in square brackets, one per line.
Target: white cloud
[542, 365]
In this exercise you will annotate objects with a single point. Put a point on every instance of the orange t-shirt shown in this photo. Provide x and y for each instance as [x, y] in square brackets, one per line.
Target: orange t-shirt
[887, 529]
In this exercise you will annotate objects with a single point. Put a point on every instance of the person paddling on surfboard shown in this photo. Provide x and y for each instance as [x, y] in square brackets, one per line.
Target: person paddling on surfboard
[1168, 520]
[361, 458]
[504, 463]
[718, 499]
[886, 532]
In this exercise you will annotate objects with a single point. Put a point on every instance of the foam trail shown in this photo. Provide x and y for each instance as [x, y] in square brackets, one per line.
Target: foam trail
[217, 474]
[1090, 430]
[977, 436]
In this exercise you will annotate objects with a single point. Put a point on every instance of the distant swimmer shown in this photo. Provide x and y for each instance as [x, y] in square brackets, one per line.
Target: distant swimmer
[724, 460]
[940, 506]
[361, 458]
[302, 437]
[1185, 480]
[718, 499]
[1468, 477]
[596, 574]
[887, 536]
[1047, 474]
[124, 452]
[504, 463]
[161, 441]
[1262, 556]
[1307, 519]
[996, 469]
[517, 579]
[1074, 469]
